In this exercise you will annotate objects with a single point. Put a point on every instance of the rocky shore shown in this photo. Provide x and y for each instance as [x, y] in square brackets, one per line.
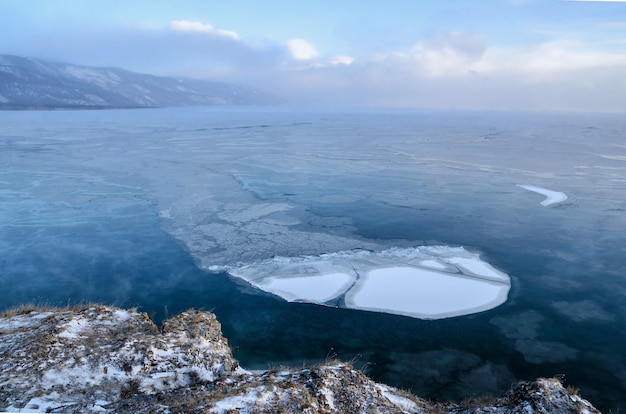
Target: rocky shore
[98, 359]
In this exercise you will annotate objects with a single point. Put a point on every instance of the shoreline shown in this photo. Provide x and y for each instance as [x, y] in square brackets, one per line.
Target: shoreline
[95, 358]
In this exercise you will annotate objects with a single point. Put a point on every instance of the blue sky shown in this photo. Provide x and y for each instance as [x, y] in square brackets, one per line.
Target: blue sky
[487, 54]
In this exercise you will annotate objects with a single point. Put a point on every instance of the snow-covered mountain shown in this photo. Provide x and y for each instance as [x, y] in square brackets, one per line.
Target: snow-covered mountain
[27, 83]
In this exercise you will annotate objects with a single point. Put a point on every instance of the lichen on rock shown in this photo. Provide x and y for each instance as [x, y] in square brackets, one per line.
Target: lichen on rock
[96, 358]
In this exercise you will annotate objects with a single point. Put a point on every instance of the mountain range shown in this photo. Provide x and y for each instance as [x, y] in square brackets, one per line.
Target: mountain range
[28, 83]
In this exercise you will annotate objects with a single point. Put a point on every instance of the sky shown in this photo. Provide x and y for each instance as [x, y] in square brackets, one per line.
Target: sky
[464, 54]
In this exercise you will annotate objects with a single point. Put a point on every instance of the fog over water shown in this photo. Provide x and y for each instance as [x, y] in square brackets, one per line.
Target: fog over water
[247, 211]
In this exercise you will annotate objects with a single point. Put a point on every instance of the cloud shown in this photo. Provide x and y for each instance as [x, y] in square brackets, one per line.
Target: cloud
[187, 26]
[448, 53]
[463, 71]
[301, 49]
[471, 45]
[549, 58]
[612, 25]
[342, 60]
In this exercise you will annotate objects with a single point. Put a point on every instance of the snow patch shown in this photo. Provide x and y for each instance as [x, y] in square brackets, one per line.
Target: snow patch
[329, 397]
[98, 77]
[73, 329]
[22, 321]
[401, 402]
[231, 404]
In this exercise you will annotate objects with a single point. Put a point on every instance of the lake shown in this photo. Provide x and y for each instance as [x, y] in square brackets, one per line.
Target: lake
[161, 209]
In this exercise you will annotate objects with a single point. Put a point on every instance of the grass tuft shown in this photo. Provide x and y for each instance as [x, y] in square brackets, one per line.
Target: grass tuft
[130, 388]
[572, 390]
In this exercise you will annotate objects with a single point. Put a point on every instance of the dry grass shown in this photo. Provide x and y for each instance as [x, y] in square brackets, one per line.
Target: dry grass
[478, 401]
[572, 390]
[27, 308]
[130, 388]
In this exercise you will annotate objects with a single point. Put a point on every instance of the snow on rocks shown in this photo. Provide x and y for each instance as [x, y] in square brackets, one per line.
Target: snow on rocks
[93, 359]
[97, 353]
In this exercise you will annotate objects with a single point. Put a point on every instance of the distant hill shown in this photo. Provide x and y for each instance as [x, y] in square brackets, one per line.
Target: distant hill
[27, 83]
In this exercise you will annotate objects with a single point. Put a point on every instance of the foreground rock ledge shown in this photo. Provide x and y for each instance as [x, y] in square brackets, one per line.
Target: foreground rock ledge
[103, 359]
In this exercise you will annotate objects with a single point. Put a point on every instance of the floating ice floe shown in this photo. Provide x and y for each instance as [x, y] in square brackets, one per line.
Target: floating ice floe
[427, 282]
[552, 197]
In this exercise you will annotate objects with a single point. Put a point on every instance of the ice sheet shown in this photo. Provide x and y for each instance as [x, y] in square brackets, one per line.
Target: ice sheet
[426, 282]
[478, 267]
[317, 289]
[425, 294]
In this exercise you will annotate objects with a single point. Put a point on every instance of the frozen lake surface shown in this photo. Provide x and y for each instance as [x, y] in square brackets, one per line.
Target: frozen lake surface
[452, 252]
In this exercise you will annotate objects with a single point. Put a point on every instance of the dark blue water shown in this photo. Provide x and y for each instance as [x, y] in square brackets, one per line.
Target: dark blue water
[129, 207]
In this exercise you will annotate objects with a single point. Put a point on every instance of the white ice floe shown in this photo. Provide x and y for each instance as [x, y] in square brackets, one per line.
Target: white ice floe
[427, 282]
[313, 288]
[425, 294]
[552, 197]
[477, 267]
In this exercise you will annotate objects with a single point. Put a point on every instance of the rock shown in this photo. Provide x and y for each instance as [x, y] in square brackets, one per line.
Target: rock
[103, 359]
